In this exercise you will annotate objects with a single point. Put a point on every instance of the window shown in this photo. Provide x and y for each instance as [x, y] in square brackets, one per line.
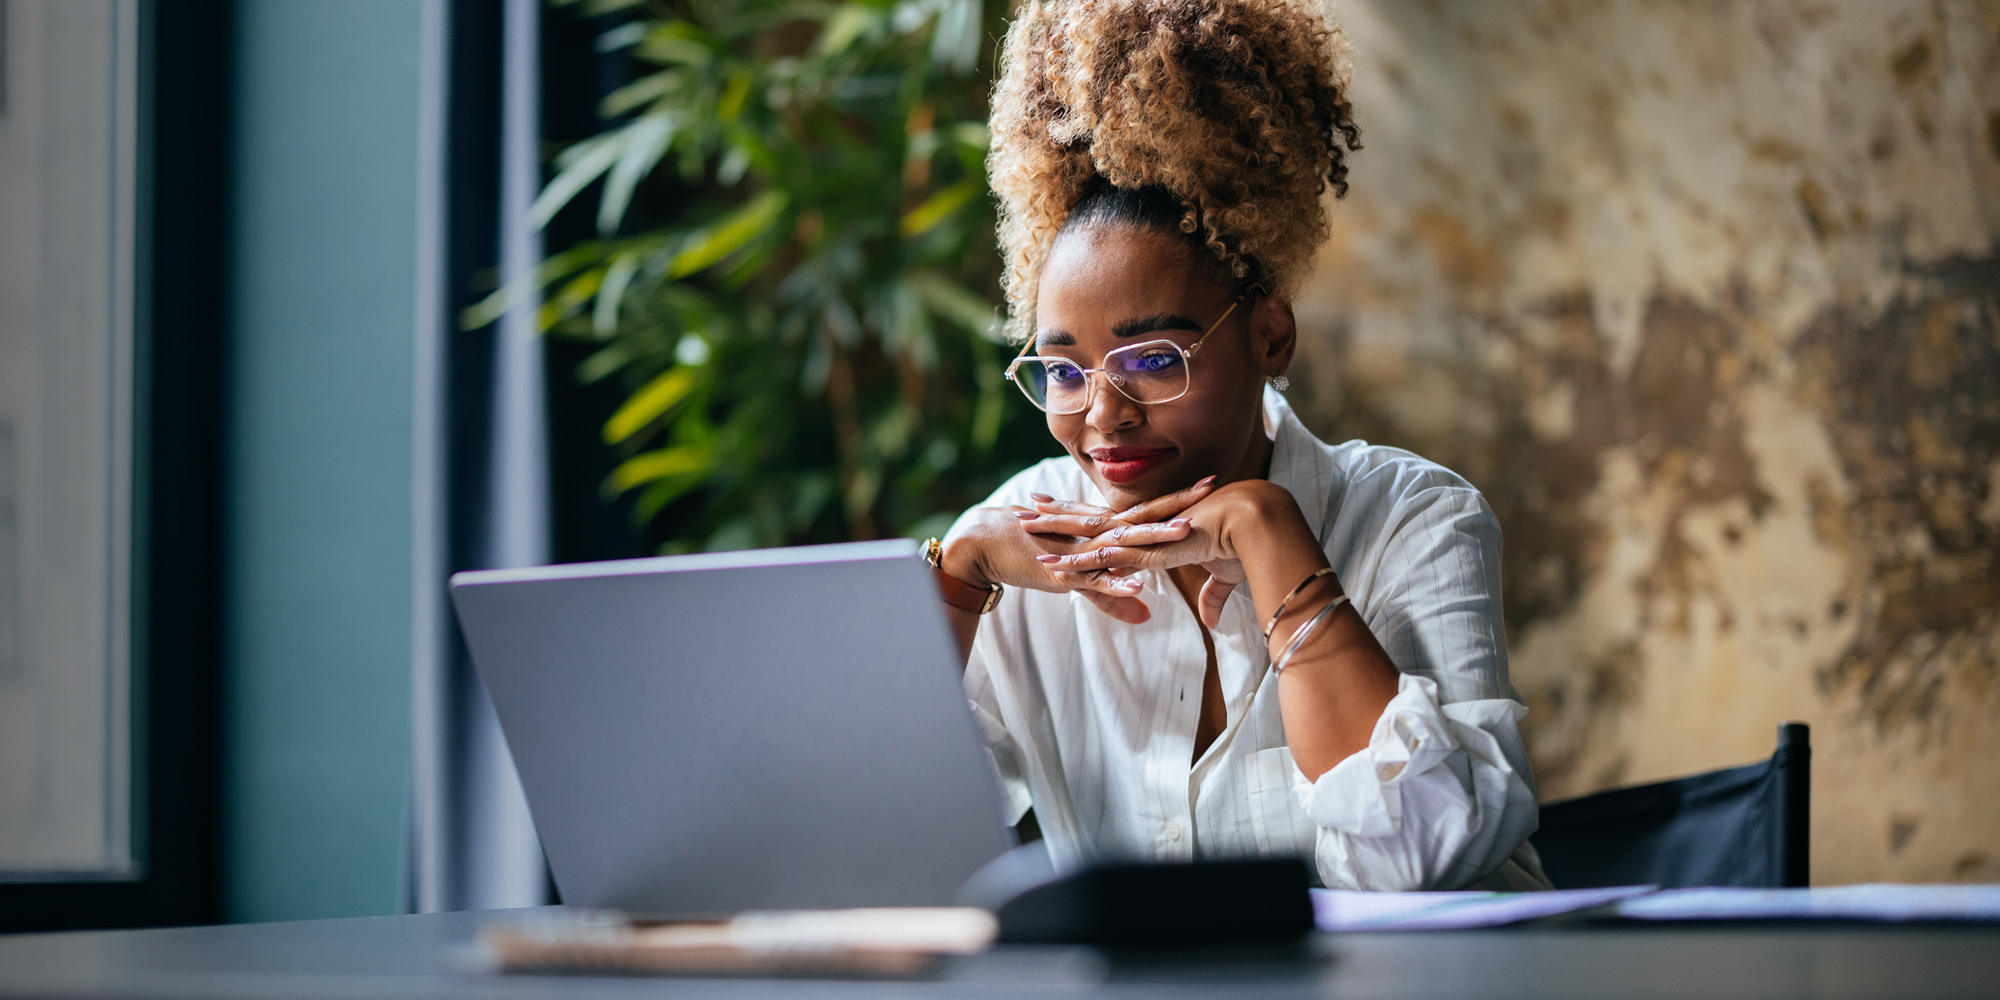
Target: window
[67, 141]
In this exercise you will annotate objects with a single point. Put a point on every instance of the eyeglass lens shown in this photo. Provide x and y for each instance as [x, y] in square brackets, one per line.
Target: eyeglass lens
[1153, 372]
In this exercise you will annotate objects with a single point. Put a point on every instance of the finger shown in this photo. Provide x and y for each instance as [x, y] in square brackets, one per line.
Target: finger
[1049, 505]
[1074, 525]
[1108, 557]
[1109, 532]
[1214, 594]
[1146, 534]
[1130, 610]
[1161, 508]
[1102, 582]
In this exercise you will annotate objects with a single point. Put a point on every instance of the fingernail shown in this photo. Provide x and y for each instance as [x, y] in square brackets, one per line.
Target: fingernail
[1179, 522]
[1205, 481]
[1049, 559]
[1042, 498]
[1026, 515]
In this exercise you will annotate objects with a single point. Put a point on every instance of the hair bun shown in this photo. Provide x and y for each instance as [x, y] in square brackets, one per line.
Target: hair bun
[1237, 107]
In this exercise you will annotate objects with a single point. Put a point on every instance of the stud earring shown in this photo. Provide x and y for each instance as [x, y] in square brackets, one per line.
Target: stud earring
[1281, 383]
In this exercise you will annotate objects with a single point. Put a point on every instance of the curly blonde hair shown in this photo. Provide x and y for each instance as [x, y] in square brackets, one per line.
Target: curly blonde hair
[1237, 108]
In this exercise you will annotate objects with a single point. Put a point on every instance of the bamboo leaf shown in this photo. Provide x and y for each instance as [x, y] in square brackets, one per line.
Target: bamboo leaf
[651, 402]
[604, 320]
[514, 293]
[730, 106]
[845, 27]
[570, 299]
[676, 43]
[619, 37]
[651, 466]
[940, 206]
[972, 134]
[955, 302]
[586, 167]
[638, 92]
[712, 243]
[646, 141]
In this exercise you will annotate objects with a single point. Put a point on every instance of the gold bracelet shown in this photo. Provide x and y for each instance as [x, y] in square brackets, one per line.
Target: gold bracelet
[957, 592]
[1296, 591]
[1299, 637]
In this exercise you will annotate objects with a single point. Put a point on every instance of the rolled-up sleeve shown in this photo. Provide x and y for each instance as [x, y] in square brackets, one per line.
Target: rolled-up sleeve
[1436, 801]
[1443, 795]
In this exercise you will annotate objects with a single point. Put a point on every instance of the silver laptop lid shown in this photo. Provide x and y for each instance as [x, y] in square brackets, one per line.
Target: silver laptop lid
[773, 729]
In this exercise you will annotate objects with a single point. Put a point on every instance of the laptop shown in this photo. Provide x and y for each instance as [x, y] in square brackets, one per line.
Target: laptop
[706, 734]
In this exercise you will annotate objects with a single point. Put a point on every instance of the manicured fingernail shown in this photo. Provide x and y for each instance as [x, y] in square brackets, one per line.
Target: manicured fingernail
[1205, 481]
[1049, 559]
[1026, 515]
[1179, 522]
[1042, 498]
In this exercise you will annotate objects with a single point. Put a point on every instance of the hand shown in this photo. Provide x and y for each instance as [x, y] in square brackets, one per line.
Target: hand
[991, 547]
[1216, 523]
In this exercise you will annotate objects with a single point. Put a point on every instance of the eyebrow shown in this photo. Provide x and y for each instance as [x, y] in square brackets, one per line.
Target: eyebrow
[1148, 324]
[1123, 331]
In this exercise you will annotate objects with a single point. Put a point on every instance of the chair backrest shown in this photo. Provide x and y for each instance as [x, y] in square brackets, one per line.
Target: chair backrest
[1744, 826]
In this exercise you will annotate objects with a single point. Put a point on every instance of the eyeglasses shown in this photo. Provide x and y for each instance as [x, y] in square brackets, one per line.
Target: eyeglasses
[1153, 372]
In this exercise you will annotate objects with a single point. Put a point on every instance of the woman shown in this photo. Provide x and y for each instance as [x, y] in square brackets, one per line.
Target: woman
[1220, 636]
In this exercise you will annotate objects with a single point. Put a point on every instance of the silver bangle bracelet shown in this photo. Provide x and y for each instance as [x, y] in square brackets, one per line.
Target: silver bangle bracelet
[1299, 637]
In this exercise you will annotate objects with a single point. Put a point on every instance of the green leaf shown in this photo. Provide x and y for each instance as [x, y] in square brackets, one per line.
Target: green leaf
[846, 26]
[711, 244]
[972, 134]
[514, 293]
[604, 319]
[651, 466]
[619, 37]
[570, 299]
[940, 206]
[955, 302]
[646, 141]
[731, 105]
[597, 156]
[676, 43]
[638, 92]
[651, 402]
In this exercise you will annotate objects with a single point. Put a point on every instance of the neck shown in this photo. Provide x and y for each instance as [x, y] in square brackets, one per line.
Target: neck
[1256, 463]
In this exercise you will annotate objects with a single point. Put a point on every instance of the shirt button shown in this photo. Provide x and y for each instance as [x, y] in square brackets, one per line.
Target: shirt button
[1173, 830]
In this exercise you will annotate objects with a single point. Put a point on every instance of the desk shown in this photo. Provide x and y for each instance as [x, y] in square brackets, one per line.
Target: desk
[409, 957]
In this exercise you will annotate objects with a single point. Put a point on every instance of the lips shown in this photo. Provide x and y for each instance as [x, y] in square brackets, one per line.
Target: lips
[1125, 463]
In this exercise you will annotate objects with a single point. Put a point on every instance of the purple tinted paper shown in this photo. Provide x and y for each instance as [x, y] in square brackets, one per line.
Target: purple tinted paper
[1873, 901]
[1349, 910]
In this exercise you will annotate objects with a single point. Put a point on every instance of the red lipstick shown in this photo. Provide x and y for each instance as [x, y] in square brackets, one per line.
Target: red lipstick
[1127, 462]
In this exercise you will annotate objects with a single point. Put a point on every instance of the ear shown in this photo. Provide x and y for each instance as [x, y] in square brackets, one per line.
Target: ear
[1274, 334]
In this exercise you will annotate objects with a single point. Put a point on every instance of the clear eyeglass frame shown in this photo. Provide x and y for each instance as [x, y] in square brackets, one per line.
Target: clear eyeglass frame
[1110, 372]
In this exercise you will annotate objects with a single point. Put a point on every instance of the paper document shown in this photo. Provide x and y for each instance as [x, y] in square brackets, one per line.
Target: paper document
[1873, 901]
[1351, 910]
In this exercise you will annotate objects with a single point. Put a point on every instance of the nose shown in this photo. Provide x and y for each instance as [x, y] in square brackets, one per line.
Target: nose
[1110, 410]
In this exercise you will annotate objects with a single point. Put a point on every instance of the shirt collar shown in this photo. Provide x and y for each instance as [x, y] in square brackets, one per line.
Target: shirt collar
[1299, 462]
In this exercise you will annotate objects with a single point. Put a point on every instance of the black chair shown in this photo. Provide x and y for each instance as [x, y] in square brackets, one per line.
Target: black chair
[1744, 826]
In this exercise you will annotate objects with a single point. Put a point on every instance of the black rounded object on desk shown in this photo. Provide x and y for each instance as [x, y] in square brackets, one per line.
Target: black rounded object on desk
[1213, 902]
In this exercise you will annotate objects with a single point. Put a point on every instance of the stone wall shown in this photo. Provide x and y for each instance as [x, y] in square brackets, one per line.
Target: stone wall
[1704, 297]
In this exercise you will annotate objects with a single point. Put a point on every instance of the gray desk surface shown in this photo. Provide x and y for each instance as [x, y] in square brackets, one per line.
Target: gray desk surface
[396, 957]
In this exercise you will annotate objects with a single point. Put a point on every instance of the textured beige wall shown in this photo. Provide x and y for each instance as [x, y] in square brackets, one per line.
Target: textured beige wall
[1703, 295]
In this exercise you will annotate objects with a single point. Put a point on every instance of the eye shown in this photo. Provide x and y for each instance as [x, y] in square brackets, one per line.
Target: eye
[1060, 371]
[1154, 361]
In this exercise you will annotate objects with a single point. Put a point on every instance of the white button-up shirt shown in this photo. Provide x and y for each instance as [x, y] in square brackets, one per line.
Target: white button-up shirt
[1092, 721]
